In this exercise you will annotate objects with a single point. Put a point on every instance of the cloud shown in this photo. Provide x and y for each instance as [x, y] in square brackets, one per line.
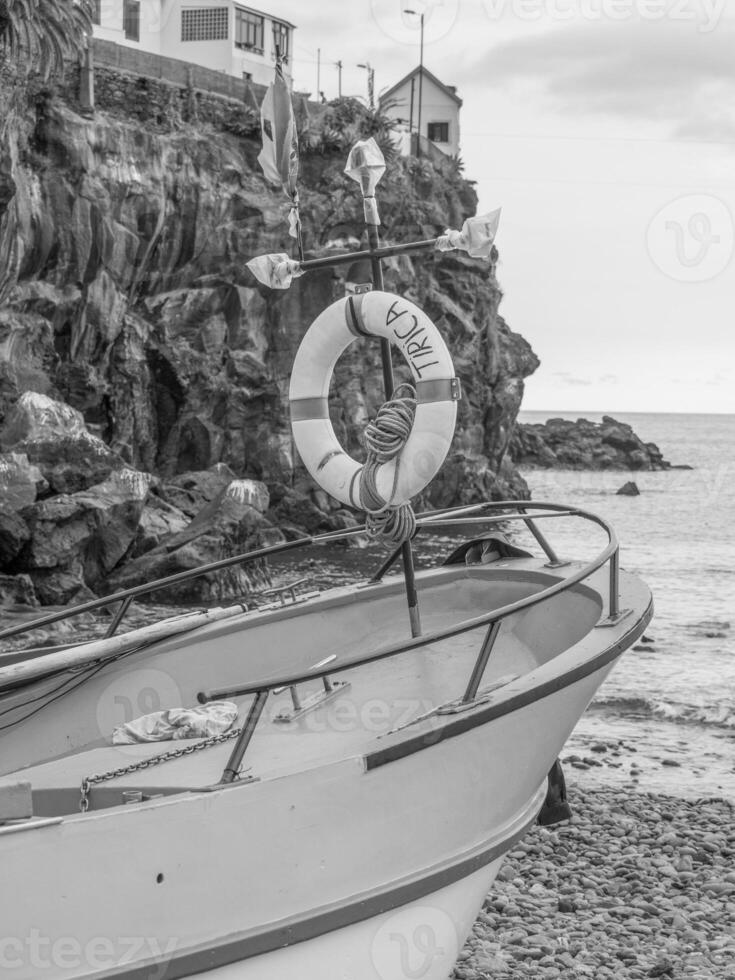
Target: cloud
[651, 71]
[571, 379]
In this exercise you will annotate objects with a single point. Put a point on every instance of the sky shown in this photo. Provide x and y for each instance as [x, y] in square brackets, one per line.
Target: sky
[605, 129]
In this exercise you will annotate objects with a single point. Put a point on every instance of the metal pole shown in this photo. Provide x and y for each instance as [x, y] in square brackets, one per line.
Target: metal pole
[339, 83]
[548, 550]
[347, 258]
[410, 117]
[248, 729]
[421, 89]
[615, 585]
[117, 619]
[406, 548]
[481, 663]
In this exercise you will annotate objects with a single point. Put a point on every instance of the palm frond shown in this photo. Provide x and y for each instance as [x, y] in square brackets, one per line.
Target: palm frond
[41, 35]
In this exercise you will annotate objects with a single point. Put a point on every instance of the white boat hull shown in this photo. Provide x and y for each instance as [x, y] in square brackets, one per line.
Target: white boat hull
[357, 851]
[318, 862]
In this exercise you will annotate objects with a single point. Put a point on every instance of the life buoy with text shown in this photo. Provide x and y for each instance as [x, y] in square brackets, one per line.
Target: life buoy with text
[373, 314]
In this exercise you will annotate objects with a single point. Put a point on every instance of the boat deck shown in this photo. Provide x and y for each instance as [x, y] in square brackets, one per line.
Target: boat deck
[368, 702]
[364, 705]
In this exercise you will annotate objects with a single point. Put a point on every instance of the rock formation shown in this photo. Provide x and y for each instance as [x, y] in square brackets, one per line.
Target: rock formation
[124, 298]
[584, 445]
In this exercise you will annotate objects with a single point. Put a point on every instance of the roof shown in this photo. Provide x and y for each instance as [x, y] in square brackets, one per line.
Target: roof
[449, 90]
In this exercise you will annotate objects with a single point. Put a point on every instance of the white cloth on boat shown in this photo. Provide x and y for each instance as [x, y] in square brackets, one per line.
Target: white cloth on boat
[202, 721]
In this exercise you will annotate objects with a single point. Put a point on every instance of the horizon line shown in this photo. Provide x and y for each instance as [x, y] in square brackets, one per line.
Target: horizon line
[620, 411]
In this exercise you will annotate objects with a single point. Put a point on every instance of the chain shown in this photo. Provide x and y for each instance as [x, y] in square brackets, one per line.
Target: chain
[154, 760]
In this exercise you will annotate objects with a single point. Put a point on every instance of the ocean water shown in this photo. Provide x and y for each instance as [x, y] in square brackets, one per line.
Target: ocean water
[671, 701]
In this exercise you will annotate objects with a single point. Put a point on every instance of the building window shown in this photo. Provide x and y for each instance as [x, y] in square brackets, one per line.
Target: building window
[97, 12]
[281, 35]
[248, 30]
[438, 132]
[131, 19]
[205, 24]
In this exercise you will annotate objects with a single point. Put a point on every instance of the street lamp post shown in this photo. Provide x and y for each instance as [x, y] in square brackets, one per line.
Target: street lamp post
[421, 78]
[370, 83]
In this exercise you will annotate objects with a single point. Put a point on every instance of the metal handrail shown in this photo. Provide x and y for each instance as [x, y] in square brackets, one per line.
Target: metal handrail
[492, 620]
[465, 626]
[125, 596]
[432, 519]
[435, 519]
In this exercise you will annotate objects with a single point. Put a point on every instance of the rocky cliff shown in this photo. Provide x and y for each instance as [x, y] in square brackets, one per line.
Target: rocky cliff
[124, 295]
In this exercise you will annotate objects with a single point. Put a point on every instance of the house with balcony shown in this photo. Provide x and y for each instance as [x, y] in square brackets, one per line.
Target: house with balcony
[218, 34]
[424, 108]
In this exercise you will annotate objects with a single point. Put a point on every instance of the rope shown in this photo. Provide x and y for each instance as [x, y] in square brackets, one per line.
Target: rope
[385, 438]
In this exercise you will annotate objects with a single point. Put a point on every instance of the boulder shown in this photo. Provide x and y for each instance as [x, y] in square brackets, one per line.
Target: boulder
[629, 489]
[36, 416]
[64, 586]
[94, 527]
[228, 525]
[14, 534]
[190, 492]
[54, 438]
[17, 590]
[295, 510]
[70, 463]
[158, 520]
[21, 482]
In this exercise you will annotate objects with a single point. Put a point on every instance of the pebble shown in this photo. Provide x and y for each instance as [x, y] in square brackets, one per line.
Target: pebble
[582, 899]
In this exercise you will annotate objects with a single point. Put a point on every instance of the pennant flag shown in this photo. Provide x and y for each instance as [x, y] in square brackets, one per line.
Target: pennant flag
[279, 158]
[476, 237]
[277, 271]
[366, 165]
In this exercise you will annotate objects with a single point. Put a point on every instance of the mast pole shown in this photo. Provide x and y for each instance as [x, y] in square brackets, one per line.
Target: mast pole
[372, 222]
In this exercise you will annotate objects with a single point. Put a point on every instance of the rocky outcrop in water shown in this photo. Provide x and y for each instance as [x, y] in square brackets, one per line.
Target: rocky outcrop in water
[584, 445]
[125, 298]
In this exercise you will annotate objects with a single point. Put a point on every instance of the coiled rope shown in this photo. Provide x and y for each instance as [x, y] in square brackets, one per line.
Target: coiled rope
[385, 438]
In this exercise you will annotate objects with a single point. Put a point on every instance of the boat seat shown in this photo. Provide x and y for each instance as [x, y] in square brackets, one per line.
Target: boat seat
[16, 802]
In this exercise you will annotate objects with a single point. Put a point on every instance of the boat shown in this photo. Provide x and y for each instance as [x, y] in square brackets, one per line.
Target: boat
[396, 736]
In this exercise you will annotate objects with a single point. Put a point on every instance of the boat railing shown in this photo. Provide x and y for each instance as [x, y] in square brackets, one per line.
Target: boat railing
[492, 620]
[480, 516]
[465, 516]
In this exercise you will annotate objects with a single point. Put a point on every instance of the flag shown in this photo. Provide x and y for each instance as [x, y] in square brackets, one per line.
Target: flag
[279, 158]
[476, 237]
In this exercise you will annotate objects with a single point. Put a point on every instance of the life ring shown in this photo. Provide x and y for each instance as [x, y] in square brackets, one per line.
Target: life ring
[373, 314]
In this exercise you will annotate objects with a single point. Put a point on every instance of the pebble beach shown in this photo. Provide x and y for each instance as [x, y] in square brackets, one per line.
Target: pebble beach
[635, 885]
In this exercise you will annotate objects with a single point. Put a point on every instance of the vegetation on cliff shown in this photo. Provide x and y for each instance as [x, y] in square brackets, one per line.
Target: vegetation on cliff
[42, 35]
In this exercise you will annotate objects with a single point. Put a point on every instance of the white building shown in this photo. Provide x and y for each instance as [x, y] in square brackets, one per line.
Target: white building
[438, 115]
[219, 34]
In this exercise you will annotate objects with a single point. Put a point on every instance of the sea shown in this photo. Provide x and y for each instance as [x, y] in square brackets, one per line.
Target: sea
[669, 705]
